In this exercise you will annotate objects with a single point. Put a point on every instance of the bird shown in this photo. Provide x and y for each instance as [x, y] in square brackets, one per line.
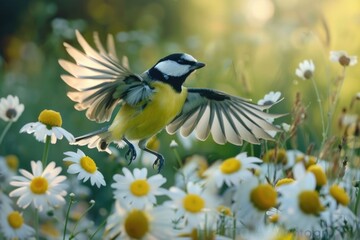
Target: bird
[154, 100]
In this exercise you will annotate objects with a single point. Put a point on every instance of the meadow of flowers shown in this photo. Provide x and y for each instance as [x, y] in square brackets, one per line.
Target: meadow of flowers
[302, 185]
[280, 194]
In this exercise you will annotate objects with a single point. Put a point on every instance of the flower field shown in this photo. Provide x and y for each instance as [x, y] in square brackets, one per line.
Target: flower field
[288, 168]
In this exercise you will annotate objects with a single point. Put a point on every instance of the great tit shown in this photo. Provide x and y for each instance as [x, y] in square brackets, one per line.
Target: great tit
[154, 100]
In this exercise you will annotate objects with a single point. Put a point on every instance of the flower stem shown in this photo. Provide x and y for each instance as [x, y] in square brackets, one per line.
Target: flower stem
[357, 202]
[92, 203]
[46, 151]
[67, 214]
[178, 158]
[6, 129]
[324, 132]
[37, 224]
[333, 103]
[98, 229]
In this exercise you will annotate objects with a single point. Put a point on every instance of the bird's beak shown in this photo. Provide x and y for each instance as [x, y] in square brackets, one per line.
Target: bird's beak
[198, 65]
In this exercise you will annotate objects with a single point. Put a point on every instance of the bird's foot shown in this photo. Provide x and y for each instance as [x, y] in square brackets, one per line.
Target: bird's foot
[131, 152]
[159, 162]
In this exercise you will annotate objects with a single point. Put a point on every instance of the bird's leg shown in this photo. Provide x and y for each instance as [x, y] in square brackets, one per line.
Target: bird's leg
[131, 153]
[159, 162]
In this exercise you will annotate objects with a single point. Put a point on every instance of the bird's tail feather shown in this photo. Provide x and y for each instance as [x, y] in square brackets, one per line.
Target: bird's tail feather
[97, 139]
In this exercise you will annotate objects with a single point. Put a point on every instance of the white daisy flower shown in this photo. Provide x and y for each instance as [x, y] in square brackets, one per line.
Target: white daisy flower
[251, 201]
[8, 167]
[193, 205]
[136, 189]
[147, 224]
[269, 232]
[233, 170]
[5, 201]
[292, 157]
[10, 108]
[299, 200]
[270, 98]
[44, 188]
[192, 171]
[339, 217]
[49, 124]
[12, 225]
[343, 58]
[305, 70]
[274, 161]
[85, 167]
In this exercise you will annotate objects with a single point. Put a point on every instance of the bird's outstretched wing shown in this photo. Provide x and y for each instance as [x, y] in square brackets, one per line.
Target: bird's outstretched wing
[228, 118]
[100, 80]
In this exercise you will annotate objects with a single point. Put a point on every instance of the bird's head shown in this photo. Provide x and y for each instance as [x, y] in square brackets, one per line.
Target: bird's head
[174, 69]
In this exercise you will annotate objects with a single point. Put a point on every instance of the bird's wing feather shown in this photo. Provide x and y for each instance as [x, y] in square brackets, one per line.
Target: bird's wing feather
[100, 80]
[227, 118]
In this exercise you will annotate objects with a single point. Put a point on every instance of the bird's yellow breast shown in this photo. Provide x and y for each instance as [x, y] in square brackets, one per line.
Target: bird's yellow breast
[136, 123]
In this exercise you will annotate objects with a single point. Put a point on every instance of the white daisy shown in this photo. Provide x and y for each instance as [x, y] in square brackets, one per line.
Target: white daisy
[233, 170]
[305, 70]
[8, 168]
[343, 58]
[44, 188]
[270, 98]
[274, 161]
[251, 201]
[10, 108]
[193, 205]
[147, 224]
[136, 189]
[269, 232]
[5, 201]
[49, 124]
[12, 225]
[85, 167]
[292, 157]
[192, 171]
[299, 200]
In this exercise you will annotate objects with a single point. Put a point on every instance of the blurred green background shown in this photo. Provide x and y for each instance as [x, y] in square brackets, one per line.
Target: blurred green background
[250, 47]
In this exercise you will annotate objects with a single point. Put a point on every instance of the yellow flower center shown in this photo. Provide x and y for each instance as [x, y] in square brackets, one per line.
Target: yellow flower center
[230, 166]
[263, 197]
[274, 218]
[39, 185]
[224, 210]
[307, 160]
[309, 202]
[12, 162]
[339, 194]
[136, 224]
[198, 234]
[15, 220]
[193, 203]
[319, 175]
[284, 235]
[50, 230]
[140, 187]
[284, 181]
[50, 118]
[202, 166]
[88, 164]
[275, 156]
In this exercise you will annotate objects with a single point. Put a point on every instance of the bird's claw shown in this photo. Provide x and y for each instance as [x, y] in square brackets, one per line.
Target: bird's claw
[130, 154]
[159, 163]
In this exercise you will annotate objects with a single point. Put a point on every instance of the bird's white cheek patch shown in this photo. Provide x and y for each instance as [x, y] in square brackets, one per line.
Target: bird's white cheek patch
[172, 68]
